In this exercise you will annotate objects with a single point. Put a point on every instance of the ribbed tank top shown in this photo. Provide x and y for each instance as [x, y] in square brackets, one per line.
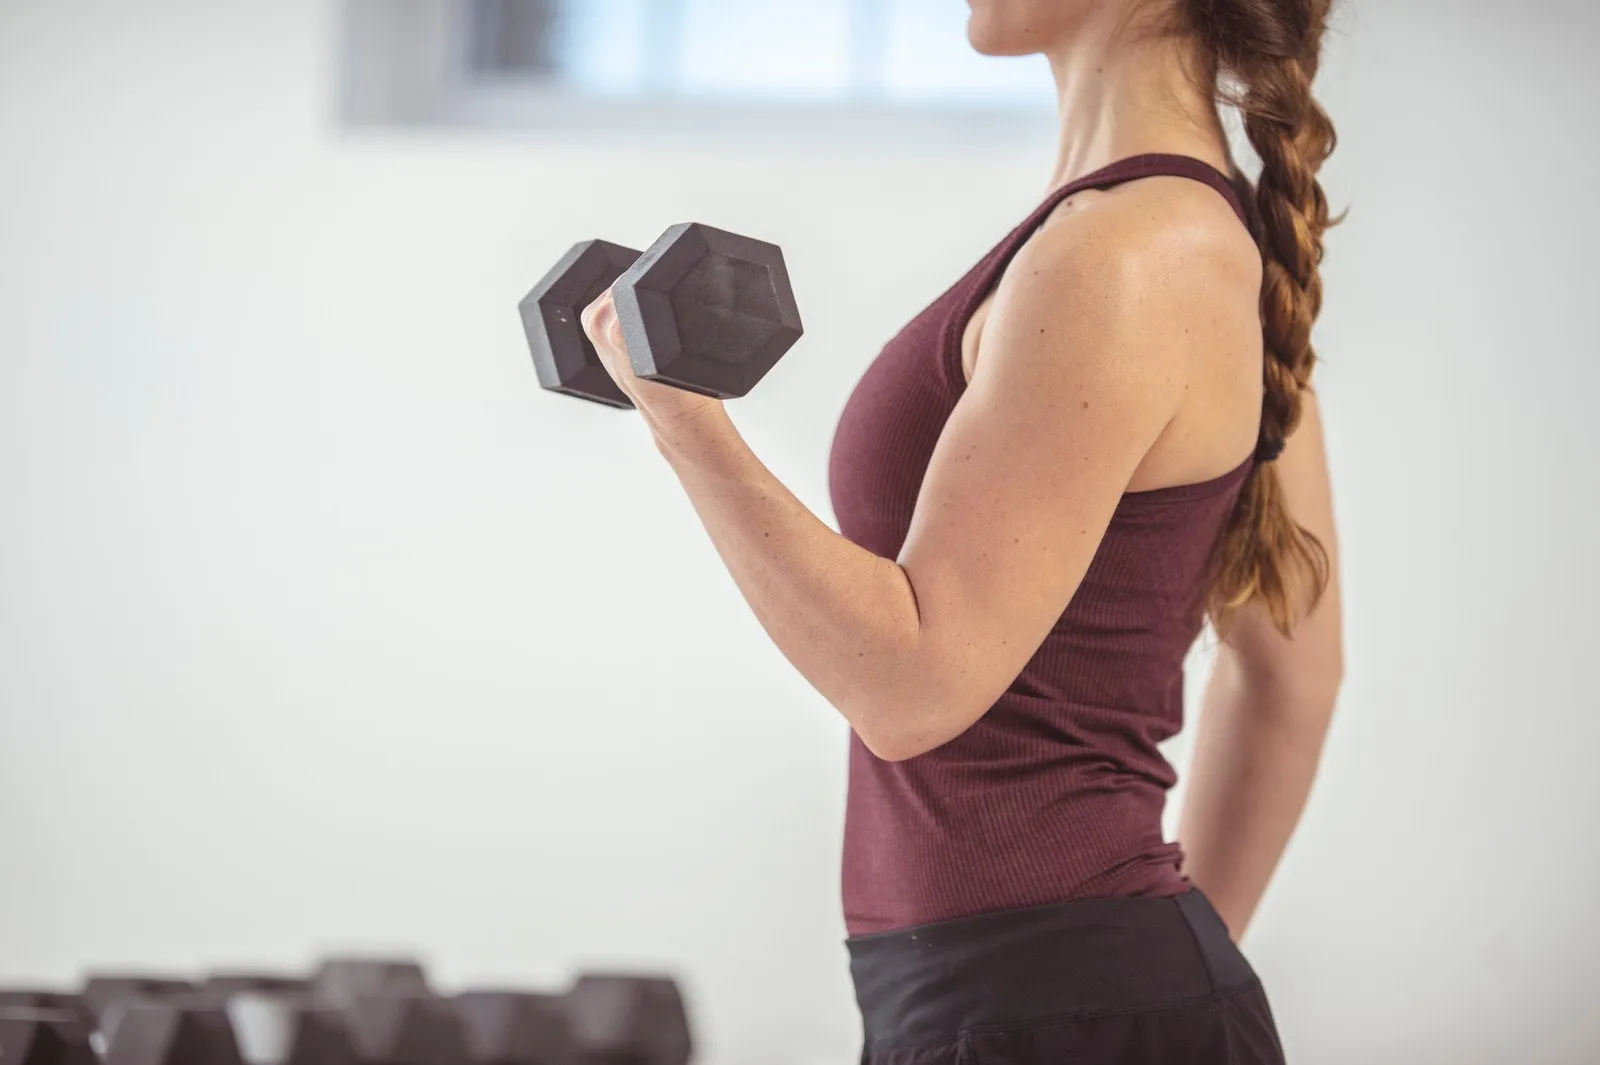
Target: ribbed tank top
[1057, 792]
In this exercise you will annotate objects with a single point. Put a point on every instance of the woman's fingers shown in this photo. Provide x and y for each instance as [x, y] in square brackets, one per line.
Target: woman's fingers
[600, 325]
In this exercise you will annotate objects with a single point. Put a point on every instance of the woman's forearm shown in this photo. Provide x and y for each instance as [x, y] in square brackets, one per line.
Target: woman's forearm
[846, 618]
[1255, 758]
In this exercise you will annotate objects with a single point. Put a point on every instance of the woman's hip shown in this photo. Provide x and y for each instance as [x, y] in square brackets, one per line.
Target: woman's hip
[1124, 980]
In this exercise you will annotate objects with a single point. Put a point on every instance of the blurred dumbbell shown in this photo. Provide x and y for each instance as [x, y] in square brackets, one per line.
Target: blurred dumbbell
[702, 309]
[24, 998]
[101, 991]
[390, 1013]
[171, 1031]
[232, 983]
[275, 1021]
[628, 1020]
[282, 1029]
[340, 982]
[398, 1029]
[106, 996]
[515, 1028]
[44, 1037]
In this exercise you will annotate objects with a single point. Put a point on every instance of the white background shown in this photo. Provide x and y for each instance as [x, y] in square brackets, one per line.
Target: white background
[320, 625]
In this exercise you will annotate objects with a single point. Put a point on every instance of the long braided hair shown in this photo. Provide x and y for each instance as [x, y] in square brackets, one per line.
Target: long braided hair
[1264, 56]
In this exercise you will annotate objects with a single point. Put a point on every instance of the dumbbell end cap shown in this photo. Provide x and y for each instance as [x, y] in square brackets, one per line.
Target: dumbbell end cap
[708, 311]
[551, 315]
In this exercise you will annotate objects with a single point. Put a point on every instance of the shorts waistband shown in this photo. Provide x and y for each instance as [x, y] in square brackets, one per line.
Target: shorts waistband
[930, 983]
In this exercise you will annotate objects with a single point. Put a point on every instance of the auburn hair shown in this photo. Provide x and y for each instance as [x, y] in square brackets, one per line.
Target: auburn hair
[1263, 57]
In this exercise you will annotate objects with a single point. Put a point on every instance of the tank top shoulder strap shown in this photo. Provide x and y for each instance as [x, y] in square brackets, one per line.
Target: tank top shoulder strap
[1132, 169]
[1160, 165]
[1122, 171]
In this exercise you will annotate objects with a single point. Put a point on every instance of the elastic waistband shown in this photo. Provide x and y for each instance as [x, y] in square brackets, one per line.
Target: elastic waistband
[926, 985]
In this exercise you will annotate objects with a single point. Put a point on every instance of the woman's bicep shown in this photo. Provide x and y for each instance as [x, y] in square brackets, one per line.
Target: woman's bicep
[1065, 401]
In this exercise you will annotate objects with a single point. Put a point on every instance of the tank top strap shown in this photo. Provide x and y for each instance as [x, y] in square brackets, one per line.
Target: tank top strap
[1155, 164]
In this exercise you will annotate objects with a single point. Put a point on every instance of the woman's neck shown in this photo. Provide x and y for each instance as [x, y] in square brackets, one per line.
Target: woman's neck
[1121, 94]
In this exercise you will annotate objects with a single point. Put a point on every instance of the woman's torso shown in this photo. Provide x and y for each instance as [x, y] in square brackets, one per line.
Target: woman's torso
[1057, 792]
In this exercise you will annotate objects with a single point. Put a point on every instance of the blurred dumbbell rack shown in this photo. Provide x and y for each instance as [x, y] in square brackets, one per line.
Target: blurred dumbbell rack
[347, 1011]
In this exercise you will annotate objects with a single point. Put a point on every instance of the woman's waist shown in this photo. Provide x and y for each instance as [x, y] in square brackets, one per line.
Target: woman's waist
[915, 854]
[991, 802]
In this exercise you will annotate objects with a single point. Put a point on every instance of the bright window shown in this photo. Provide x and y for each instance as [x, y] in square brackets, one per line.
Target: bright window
[812, 52]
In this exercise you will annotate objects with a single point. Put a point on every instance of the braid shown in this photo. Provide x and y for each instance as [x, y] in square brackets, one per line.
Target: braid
[1268, 52]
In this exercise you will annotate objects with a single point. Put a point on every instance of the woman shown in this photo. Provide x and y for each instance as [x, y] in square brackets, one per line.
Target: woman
[1101, 436]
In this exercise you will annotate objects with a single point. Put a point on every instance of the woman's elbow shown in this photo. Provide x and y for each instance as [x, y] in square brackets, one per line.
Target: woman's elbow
[897, 745]
[903, 731]
[887, 748]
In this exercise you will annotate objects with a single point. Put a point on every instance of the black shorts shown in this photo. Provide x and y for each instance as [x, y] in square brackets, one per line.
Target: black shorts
[1127, 981]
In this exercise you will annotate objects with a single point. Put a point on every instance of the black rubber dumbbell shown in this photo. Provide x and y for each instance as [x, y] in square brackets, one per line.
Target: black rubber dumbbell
[340, 982]
[276, 1021]
[232, 983]
[105, 997]
[173, 1030]
[102, 991]
[702, 309]
[28, 998]
[628, 1020]
[391, 1014]
[516, 1028]
[284, 1029]
[44, 1037]
[405, 1030]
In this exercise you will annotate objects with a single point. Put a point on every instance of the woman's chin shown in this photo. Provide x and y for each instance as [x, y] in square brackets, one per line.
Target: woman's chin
[984, 43]
[1025, 27]
[986, 38]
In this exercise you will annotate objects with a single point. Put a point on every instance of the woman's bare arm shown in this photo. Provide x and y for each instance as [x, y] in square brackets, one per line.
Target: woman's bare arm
[1082, 366]
[1265, 716]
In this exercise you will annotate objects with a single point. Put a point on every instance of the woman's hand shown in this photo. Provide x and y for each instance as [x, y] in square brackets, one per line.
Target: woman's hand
[675, 415]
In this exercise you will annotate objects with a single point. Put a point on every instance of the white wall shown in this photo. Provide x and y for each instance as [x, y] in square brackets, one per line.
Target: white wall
[320, 625]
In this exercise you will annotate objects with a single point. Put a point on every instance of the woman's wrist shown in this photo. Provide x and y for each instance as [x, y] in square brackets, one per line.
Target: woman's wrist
[690, 431]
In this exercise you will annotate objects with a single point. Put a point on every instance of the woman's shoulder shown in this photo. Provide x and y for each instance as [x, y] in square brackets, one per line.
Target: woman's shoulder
[1161, 256]
[1167, 230]
[1160, 270]
[1144, 299]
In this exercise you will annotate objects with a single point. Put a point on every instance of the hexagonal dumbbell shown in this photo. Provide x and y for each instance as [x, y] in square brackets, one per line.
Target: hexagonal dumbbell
[390, 1013]
[637, 1020]
[172, 1031]
[105, 996]
[551, 316]
[405, 1030]
[516, 1028]
[232, 983]
[340, 982]
[702, 309]
[283, 1029]
[44, 1037]
[101, 991]
[28, 998]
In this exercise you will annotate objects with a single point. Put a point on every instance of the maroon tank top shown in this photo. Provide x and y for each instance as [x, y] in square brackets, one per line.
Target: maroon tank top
[1056, 793]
